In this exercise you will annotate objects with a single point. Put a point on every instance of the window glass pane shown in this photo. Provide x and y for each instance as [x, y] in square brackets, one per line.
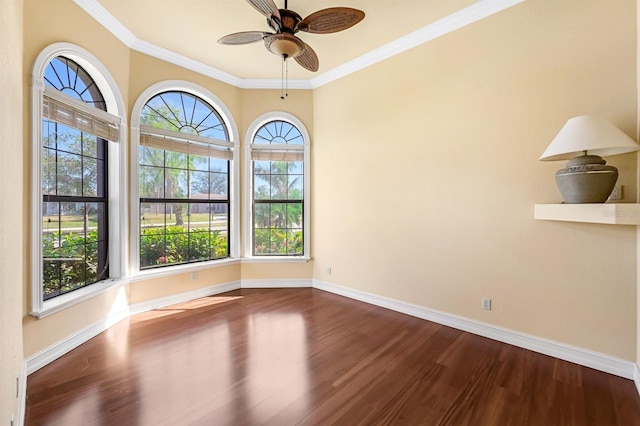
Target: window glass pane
[199, 216]
[151, 182]
[152, 215]
[219, 244]
[48, 171]
[68, 139]
[89, 145]
[219, 186]
[279, 187]
[294, 187]
[176, 160]
[151, 156]
[90, 177]
[218, 165]
[278, 215]
[69, 174]
[199, 162]
[296, 167]
[91, 258]
[48, 133]
[261, 215]
[175, 185]
[294, 241]
[199, 185]
[152, 248]
[294, 215]
[261, 187]
[176, 217]
[261, 167]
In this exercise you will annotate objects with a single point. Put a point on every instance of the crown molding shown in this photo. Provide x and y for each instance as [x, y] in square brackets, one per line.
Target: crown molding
[475, 12]
[183, 61]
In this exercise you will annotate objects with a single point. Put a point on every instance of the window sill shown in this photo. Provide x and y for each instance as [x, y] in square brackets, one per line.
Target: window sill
[181, 269]
[65, 301]
[276, 259]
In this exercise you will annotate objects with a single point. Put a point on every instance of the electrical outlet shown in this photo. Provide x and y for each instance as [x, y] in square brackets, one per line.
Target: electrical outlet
[328, 270]
[486, 303]
[194, 276]
[616, 194]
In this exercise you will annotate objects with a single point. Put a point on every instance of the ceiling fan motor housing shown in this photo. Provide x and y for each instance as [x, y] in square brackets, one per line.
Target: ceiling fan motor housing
[288, 22]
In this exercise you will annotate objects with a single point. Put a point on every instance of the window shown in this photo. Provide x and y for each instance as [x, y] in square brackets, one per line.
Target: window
[278, 155]
[76, 156]
[184, 173]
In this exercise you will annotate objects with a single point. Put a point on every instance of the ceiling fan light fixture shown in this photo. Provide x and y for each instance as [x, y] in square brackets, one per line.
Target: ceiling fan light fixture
[284, 45]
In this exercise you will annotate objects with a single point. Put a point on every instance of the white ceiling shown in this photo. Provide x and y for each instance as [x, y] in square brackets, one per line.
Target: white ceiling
[185, 32]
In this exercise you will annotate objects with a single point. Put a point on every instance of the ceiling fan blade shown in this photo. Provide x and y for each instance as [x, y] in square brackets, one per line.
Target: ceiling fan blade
[308, 58]
[244, 37]
[267, 7]
[331, 20]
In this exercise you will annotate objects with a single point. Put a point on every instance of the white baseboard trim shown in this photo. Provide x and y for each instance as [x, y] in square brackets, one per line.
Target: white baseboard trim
[187, 296]
[585, 357]
[55, 351]
[286, 283]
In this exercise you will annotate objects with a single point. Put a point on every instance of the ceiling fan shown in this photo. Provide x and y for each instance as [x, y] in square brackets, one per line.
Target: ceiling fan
[286, 23]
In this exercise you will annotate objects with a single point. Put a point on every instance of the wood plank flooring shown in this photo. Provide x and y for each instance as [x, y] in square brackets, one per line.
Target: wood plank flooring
[304, 356]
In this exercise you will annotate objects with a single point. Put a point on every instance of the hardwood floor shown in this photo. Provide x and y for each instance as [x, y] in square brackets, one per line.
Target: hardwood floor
[304, 356]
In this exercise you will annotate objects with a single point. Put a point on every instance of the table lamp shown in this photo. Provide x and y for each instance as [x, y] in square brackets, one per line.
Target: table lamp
[586, 177]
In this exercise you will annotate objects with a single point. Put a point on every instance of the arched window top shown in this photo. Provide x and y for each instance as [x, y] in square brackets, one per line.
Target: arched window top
[278, 132]
[184, 112]
[66, 76]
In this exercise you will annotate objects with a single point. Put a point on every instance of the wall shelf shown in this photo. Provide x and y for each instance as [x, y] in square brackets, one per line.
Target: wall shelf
[612, 214]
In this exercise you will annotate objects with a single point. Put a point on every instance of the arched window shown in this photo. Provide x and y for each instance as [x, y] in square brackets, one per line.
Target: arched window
[278, 170]
[184, 171]
[77, 130]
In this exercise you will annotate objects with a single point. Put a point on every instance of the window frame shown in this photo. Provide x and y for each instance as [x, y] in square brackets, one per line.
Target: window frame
[116, 184]
[253, 128]
[234, 187]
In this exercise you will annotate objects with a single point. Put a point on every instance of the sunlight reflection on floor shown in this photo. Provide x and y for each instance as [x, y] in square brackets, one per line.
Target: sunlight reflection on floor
[182, 307]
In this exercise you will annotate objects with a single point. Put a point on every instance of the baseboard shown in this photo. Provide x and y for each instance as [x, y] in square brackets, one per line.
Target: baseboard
[55, 351]
[286, 283]
[587, 358]
[182, 297]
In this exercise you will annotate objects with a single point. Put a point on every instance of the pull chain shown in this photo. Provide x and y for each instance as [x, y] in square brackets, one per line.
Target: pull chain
[284, 91]
[284, 59]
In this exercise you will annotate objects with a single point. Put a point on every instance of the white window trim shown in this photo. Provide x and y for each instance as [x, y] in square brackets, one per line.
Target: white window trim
[248, 185]
[117, 155]
[234, 175]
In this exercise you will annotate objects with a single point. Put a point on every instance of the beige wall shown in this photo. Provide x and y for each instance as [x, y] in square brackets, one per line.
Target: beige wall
[426, 174]
[11, 243]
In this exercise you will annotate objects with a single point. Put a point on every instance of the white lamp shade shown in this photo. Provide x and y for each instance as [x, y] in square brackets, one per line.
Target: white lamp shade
[588, 133]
